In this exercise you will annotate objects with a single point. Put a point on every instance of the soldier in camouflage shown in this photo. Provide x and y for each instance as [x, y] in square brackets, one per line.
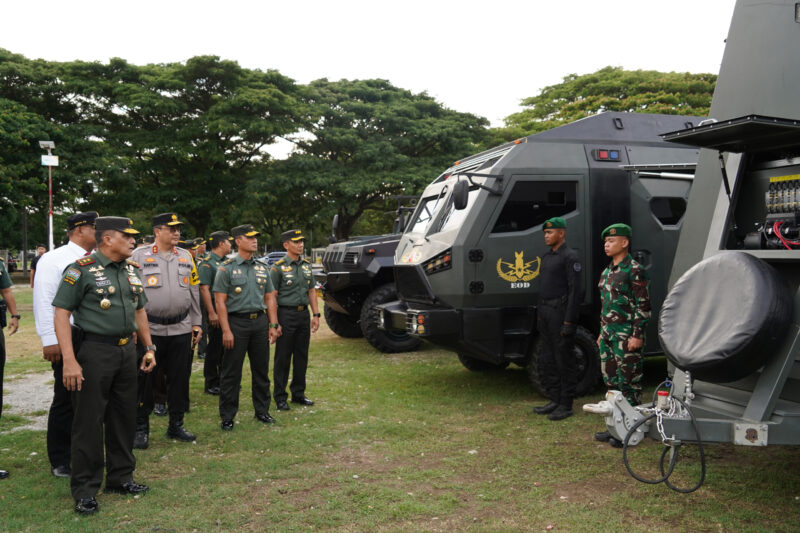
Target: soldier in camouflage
[625, 296]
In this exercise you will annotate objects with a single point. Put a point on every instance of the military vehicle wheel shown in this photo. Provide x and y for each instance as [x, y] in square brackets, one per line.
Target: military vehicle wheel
[479, 365]
[341, 324]
[385, 341]
[588, 362]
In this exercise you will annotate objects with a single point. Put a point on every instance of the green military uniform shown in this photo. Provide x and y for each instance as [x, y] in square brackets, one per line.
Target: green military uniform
[5, 283]
[207, 271]
[245, 281]
[103, 297]
[292, 280]
[625, 297]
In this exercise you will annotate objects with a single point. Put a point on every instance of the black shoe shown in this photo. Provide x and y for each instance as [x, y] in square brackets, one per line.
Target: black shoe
[62, 471]
[265, 418]
[141, 441]
[302, 400]
[561, 412]
[227, 425]
[282, 405]
[177, 431]
[160, 409]
[201, 356]
[214, 391]
[86, 506]
[4, 474]
[129, 487]
[603, 436]
[615, 443]
[545, 409]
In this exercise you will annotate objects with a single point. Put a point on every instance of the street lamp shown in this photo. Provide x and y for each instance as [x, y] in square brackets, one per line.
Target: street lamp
[49, 161]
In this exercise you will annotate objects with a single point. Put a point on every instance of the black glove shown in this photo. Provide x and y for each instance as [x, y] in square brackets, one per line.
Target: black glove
[568, 330]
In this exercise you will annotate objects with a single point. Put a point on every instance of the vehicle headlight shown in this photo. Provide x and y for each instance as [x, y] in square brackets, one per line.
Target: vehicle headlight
[439, 262]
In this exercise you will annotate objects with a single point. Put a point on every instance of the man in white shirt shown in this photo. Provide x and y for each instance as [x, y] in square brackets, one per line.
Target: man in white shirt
[49, 271]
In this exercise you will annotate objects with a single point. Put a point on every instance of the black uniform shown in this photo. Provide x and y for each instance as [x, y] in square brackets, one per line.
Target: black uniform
[559, 297]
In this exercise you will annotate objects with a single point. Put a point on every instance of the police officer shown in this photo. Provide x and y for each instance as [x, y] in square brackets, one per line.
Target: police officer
[103, 292]
[294, 282]
[559, 297]
[244, 297]
[220, 247]
[625, 299]
[6, 302]
[81, 234]
[173, 311]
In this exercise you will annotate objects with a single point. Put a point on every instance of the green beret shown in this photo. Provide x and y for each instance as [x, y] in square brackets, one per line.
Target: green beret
[555, 223]
[617, 230]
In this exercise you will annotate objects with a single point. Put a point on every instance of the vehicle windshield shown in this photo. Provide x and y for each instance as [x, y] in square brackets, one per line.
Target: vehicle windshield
[425, 213]
[454, 218]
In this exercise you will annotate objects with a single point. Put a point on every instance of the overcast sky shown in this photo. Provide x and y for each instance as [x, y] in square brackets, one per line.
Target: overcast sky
[478, 57]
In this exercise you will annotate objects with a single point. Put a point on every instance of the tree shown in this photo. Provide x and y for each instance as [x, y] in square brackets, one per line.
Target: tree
[612, 89]
[371, 141]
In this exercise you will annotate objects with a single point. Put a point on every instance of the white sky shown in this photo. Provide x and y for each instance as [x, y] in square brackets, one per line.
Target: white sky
[478, 57]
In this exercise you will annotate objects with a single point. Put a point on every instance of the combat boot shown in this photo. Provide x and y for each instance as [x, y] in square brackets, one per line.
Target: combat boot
[560, 413]
[602, 436]
[175, 430]
[141, 440]
[545, 409]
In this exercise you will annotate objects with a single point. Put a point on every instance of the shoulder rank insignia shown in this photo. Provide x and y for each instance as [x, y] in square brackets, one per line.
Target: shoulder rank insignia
[83, 261]
[133, 263]
[279, 262]
[229, 261]
[306, 260]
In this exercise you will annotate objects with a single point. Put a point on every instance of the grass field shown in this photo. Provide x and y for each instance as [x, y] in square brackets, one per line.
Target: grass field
[402, 442]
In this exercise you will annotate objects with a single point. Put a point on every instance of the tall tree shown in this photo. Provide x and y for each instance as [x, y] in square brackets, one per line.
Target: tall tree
[372, 140]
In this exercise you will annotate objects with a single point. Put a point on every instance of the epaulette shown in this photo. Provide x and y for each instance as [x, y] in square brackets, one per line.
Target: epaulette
[83, 261]
[229, 261]
[306, 260]
[279, 262]
[132, 262]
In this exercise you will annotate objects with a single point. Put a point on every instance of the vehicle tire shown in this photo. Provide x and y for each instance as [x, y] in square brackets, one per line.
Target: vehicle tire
[478, 365]
[587, 358]
[341, 324]
[385, 341]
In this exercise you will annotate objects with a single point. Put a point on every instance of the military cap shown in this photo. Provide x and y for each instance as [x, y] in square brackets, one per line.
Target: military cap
[40, 245]
[183, 243]
[292, 235]
[80, 219]
[218, 237]
[245, 229]
[555, 223]
[166, 219]
[195, 243]
[617, 230]
[123, 224]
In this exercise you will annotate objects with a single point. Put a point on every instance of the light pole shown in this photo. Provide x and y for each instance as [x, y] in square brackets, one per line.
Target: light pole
[49, 161]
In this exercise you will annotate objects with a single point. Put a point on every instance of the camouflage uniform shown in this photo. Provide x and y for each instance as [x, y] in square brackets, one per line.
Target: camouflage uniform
[625, 297]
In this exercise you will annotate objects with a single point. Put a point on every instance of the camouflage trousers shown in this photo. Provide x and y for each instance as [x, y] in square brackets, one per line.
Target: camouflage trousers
[622, 370]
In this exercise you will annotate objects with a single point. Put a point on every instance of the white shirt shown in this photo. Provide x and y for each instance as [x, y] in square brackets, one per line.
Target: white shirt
[49, 271]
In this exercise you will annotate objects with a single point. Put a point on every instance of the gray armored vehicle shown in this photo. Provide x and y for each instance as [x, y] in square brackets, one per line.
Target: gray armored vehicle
[467, 266]
[357, 275]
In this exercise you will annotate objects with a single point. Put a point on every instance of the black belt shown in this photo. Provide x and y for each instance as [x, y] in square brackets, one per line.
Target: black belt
[294, 307]
[250, 316]
[554, 302]
[168, 320]
[106, 339]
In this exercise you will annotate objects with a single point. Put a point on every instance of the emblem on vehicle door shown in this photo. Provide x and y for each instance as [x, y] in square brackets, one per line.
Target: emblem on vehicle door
[520, 272]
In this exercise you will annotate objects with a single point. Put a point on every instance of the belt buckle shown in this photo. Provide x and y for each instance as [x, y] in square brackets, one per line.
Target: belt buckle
[123, 341]
[253, 316]
[300, 307]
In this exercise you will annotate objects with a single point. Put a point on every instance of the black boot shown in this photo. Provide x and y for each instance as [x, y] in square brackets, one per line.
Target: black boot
[560, 413]
[545, 409]
[602, 436]
[175, 430]
[142, 439]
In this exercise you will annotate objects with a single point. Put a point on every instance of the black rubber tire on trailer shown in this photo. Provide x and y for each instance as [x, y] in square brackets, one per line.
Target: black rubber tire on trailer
[588, 363]
[341, 324]
[384, 341]
[725, 317]
[479, 365]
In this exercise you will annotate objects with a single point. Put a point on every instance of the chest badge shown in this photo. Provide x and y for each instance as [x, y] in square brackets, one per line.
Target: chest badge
[112, 290]
[237, 290]
[105, 303]
[520, 272]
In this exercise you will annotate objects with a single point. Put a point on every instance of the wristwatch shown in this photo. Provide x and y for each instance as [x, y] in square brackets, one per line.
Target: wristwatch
[316, 315]
[16, 316]
[274, 326]
[152, 347]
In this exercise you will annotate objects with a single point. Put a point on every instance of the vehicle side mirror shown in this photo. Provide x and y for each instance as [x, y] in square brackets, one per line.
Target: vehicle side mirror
[334, 226]
[460, 195]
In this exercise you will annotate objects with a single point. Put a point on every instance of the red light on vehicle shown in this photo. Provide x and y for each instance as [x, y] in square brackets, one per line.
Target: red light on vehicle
[371, 251]
[602, 154]
[458, 162]
[518, 141]
[420, 319]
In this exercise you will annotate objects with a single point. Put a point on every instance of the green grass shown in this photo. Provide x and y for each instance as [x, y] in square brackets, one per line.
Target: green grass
[397, 443]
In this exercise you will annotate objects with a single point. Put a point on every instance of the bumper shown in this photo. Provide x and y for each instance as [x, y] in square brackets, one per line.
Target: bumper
[425, 323]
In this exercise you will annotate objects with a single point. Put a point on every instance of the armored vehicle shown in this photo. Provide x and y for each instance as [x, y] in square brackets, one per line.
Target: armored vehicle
[357, 275]
[467, 265]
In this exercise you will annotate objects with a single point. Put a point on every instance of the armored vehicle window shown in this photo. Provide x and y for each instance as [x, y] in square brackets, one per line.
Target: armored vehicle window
[532, 202]
[424, 215]
[454, 218]
[669, 211]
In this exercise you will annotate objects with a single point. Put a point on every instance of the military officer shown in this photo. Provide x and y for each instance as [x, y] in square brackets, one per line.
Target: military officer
[559, 298]
[294, 281]
[220, 247]
[173, 311]
[244, 297]
[7, 301]
[103, 292]
[195, 246]
[625, 299]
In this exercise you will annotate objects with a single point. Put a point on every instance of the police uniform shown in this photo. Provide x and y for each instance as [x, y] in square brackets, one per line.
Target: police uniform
[6, 299]
[103, 297]
[559, 300]
[245, 282]
[207, 271]
[292, 279]
[173, 310]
